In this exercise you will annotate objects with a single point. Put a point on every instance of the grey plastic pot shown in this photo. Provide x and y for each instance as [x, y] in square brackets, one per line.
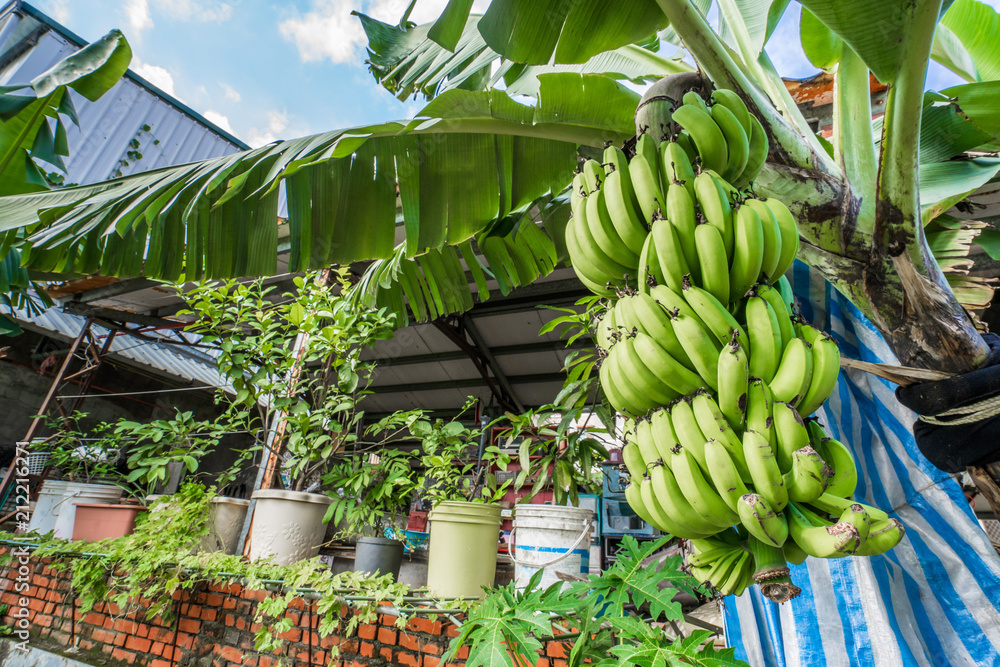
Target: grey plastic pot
[378, 554]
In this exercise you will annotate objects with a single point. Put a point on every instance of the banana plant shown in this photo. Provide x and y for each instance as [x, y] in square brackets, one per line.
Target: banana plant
[476, 156]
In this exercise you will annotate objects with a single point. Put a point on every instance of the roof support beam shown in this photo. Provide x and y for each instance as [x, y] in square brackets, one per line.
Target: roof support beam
[491, 361]
[119, 316]
[114, 289]
[464, 383]
[500, 351]
[456, 334]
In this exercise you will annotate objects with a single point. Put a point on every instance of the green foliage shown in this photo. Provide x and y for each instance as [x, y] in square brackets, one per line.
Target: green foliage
[509, 627]
[367, 493]
[296, 357]
[86, 457]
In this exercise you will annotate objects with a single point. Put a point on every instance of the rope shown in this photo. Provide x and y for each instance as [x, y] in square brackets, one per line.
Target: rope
[967, 414]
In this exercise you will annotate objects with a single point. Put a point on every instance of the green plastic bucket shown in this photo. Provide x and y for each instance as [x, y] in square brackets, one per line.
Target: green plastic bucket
[463, 548]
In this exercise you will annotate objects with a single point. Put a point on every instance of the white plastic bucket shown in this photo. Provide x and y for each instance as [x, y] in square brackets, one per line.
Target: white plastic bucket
[287, 525]
[553, 538]
[55, 511]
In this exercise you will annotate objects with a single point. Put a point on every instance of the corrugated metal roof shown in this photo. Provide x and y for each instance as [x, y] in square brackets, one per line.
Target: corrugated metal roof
[108, 127]
[180, 361]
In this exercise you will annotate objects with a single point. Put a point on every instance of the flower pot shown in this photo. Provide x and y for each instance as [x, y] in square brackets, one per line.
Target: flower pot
[96, 521]
[224, 524]
[463, 548]
[378, 555]
[287, 525]
[55, 511]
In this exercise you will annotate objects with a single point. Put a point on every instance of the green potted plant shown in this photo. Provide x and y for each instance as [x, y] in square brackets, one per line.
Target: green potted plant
[294, 359]
[84, 473]
[161, 451]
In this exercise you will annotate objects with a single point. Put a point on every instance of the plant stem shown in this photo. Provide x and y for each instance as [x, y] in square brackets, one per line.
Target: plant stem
[771, 572]
[853, 147]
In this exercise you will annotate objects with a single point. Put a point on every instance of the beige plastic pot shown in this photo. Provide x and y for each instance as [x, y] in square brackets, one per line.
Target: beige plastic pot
[462, 557]
[287, 525]
[224, 524]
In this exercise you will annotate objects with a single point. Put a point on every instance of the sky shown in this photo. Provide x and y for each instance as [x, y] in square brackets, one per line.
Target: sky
[265, 70]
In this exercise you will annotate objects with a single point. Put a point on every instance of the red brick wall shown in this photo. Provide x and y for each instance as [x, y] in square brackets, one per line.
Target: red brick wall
[215, 626]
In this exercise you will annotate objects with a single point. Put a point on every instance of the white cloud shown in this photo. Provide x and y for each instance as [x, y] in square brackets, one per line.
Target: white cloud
[230, 92]
[158, 76]
[190, 10]
[277, 121]
[139, 19]
[328, 30]
[219, 119]
[57, 9]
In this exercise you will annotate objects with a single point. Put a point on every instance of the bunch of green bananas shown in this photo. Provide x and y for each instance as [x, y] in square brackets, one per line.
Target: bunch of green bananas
[703, 354]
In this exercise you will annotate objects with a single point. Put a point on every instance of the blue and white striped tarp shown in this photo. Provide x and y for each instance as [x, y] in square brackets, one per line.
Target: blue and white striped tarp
[935, 598]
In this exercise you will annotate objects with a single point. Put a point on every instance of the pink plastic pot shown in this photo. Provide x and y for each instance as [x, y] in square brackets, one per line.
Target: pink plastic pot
[100, 522]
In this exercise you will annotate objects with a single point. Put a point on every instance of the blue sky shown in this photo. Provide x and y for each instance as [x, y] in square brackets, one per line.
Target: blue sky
[267, 70]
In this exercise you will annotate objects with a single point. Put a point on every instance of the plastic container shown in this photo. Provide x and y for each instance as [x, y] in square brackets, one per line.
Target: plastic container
[287, 525]
[462, 557]
[378, 554]
[414, 540]
[55, 511]
[95, 521]
[552, 538]
[224, 524]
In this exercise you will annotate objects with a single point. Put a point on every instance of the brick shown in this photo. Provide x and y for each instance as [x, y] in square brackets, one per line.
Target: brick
[431, 661]
[161, 635]
[140, 644]
[123, 625]
[124, 656]
[42, 620]
[368, 649]
[103, 636]
[386, 619]
[387, 636]
[555, 650]
[349, 646]
[161, 663]
[184, 640]
[189, 625]
[386, 653]
[292, 635]
[463, 653]
[229, 603]
[542, 662]
[366, 631]
[109, 623]
[432, 648]
[409, 642]
[559, 663]
[451, 632]
[212, 600]
[86, 644]
[142, 630]
[407, 659]
[209, 614]
[265, 661]
[254, 595]
[229, 653]
[34, 604]
[158, 648]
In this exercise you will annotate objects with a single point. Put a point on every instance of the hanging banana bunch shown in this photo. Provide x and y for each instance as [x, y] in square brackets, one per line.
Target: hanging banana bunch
[703, 354]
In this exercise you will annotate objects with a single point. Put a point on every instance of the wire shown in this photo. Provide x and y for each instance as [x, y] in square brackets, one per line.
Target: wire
[139, 393]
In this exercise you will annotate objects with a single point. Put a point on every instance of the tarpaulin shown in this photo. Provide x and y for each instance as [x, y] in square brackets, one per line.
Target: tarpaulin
[935, 598]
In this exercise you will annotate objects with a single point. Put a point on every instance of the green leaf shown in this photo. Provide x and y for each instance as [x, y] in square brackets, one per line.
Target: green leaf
[975, 27]
[944, 184]
[536, 32]
[91, 71]
[821, 46]
[447, 30]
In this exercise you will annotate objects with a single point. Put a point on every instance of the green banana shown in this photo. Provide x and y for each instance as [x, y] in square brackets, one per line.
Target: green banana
[661, 519]
[787, 294]
[737, 141]
[748, 251]
[680, 213]
[724, 539]
[845, 471]
[793, 553]
[683, 139]
[706, 134]
[712, 261]
[641, 313]
[676, 166]
[789, 236]
[761, 520]
[642, 378]
[699, 491]
[645, 175]
[808, 477]
[634, 461]
[614, 159]
[757, 154]
[708, 558]
[732, 101]
[671, 301]
[835, 506]
[714, 204]
[662, 431]
[644, 276]
[669, 253]
[633, 496]
[765, 338]
[723, 473]
[593, 175]
[733, 385]
[687, 430]
[610, 391]
[713, 425]
[640, 403]
[790, 433]
[772, 238]
[604, 233]
[858, 516]
[884, 535]
[759, 407]
[621, 210]
[701, 346]
[764, 471]
[592, 260]
[791, 381]
[714, 314]
[589, 274]
[643, 439]
[676, 506]
[693, 99]
[782, 312]
[578, 193]
[669, 370]
[605, 334]
[825, 372]
[830, 541]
